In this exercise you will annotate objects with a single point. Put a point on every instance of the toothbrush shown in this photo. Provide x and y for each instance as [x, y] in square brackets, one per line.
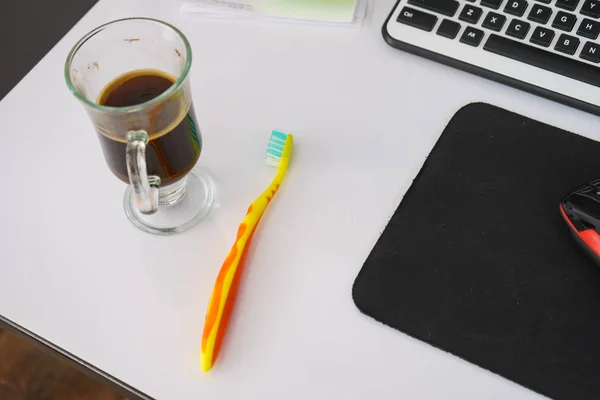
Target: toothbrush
[224, 291]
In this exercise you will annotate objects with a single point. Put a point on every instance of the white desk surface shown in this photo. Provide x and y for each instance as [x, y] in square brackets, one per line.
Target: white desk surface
[76, 272]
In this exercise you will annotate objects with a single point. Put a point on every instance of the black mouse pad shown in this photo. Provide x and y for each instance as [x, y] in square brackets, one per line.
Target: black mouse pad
[477, 260]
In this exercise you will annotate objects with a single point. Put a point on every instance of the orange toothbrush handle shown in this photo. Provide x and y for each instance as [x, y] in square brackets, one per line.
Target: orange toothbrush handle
[228, 280]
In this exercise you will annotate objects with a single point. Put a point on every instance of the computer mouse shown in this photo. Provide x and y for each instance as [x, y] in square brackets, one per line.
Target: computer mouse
[581, 211]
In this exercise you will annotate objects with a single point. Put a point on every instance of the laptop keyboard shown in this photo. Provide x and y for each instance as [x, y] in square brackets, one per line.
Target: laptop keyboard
[559, 36]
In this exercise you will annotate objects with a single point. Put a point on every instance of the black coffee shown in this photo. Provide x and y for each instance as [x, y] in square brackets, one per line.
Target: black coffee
[170, 154]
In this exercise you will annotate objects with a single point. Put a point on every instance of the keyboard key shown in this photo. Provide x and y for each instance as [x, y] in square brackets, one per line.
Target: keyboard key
[591, 8]
[544, 1]
[517, 29]
[542, 36]
[541, 58]
[446, 7]
[567, 4]
[591, 52]
[494, 21]
[589, 29]
[417, 19]
[539, 14]
[567, 44]
[495, 4]
[564, 21]
[448, 29]
[472, 36]
[516, 7]
[470, 14]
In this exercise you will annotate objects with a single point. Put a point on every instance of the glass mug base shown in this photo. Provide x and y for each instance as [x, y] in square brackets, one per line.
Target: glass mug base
[181, 205]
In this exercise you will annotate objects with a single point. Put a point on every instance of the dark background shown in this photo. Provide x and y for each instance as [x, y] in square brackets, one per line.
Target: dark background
[29, 29]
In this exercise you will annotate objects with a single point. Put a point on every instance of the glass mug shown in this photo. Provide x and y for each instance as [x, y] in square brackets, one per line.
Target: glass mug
[131, 76]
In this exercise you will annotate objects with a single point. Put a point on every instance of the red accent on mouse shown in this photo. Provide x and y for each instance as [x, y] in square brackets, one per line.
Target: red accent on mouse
[581, 211]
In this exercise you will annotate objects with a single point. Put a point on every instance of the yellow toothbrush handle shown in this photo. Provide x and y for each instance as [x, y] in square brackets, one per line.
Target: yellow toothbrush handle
[226, 285]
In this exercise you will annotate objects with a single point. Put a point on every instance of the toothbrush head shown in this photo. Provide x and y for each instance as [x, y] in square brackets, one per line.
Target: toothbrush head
[275, 148]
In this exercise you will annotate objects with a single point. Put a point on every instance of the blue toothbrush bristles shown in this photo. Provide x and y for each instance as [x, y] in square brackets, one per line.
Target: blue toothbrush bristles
[275, 148]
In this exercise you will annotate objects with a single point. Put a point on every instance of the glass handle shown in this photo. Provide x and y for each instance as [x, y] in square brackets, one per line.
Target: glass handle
[145, 187]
